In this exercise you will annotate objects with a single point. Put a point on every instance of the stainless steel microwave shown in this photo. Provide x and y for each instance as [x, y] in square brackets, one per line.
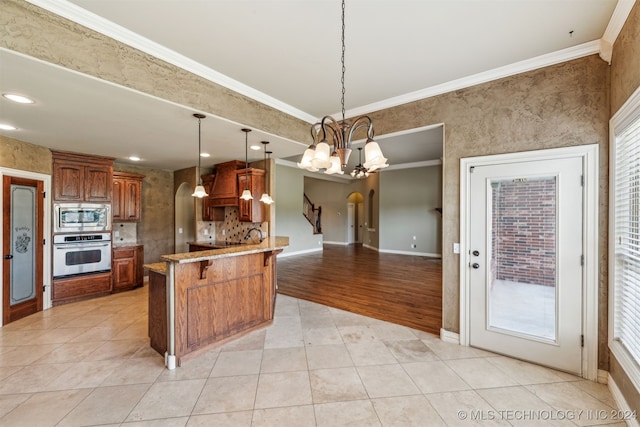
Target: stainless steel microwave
[81, 217]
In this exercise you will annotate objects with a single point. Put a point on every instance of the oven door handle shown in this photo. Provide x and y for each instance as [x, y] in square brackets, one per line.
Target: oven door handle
[81, 245]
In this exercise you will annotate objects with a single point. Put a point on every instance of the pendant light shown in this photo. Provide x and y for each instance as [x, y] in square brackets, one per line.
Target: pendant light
[320, 156]
[199, 191]
[246, 194]
[266, 198]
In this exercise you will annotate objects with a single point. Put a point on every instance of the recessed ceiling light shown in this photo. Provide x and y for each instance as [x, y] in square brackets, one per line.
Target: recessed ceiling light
[255, 147]
[4, 126]
[18, 98]
[205, 155]
[134, 158]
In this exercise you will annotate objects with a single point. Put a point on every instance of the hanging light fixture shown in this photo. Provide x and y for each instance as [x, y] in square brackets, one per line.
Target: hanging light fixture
[266, 198]
[199, 191]
[359, 171]
[246, 194]
[319, 155]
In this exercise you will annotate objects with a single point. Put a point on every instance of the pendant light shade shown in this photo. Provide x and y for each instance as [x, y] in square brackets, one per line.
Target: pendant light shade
[246, 194]
[199, 192]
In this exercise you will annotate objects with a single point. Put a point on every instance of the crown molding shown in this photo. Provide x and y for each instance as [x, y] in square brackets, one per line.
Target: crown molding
[575, 52]
[103, 26]
[618, 18]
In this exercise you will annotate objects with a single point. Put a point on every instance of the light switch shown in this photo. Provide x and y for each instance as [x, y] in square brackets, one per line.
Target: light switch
[456, 248]
[179, 230]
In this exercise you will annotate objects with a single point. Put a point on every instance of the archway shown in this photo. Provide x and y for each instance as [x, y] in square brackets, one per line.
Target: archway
[355, 217]
[184, 218]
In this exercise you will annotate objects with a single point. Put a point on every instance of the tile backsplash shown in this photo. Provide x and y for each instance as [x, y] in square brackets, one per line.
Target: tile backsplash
[125, 233]
[231, 229]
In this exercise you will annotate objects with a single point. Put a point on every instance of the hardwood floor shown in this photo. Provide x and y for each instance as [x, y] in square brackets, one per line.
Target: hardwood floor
[402, 289]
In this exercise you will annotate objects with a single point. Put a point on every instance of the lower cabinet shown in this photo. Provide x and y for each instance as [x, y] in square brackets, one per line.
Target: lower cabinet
[127, 267]
[80, 287]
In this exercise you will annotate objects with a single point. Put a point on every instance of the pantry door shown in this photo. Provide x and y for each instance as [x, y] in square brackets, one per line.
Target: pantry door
[22, 247]
[525, 260]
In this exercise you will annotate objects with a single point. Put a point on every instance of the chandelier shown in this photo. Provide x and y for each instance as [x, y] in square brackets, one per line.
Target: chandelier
[320, 156]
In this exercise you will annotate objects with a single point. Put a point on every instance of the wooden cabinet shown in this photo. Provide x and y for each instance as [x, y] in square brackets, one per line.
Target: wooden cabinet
[251, 210]
[224, 188]
[81, 178]
[80, 287]
[127, 267]
[127, 197]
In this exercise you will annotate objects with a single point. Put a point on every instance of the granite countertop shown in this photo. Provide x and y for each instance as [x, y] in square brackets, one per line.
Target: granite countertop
[158, 267]
[268, 244]
[118, 244]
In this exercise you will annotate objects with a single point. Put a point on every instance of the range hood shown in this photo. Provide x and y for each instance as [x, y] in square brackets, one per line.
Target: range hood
[224, 187]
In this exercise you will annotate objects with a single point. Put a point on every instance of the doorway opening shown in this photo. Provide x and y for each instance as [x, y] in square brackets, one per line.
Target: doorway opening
[355, 218]
[184, 218]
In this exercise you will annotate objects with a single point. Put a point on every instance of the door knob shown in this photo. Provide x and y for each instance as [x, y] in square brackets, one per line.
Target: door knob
[8, 257]
[475, 253]
[475, 265]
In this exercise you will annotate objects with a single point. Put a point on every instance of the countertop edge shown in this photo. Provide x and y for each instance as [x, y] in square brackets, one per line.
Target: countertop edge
[269, 244]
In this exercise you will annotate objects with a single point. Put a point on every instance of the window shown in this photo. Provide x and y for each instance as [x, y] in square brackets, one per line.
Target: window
[624, 234]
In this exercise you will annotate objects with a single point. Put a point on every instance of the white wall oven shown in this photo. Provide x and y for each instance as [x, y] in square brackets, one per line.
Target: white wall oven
[81, 217]
[76, 254]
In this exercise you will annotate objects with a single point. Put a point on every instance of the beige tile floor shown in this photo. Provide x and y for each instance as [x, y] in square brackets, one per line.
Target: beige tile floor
[90, 363]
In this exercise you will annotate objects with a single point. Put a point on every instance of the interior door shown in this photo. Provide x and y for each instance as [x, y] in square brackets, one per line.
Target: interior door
[22, 247]
[351, 219]
[525, 261]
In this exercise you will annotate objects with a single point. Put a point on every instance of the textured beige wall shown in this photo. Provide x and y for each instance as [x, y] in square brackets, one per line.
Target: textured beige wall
[155, 231]
[625, 79]
[558, 106]
[625, 61]
[35, 32]
[20, 155]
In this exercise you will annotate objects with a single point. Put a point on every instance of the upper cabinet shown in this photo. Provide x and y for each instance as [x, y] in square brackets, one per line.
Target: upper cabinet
[251, 210]
[81, 178]
[127, 197]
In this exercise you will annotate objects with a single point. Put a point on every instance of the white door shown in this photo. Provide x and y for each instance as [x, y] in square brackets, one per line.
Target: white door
[525, 261]
[351, 219]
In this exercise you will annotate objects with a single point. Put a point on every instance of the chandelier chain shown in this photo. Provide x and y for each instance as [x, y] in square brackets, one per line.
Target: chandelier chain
[343, 67]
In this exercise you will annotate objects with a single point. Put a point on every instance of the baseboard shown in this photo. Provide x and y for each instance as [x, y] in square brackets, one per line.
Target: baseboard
[370, 247]
[448, 336]
[306, 251]
[425, 254]
[603, 377]
[329, 242]
[621, 402]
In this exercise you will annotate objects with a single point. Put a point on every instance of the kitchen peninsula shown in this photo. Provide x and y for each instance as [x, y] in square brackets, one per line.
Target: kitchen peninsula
[199, 299]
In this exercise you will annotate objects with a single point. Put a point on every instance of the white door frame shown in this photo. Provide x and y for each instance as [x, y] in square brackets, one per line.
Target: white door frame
[46, 253]
[589, 153]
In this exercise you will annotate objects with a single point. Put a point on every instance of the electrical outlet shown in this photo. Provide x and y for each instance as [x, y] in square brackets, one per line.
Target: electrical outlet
[223, 231]
[116, 233]
[415, 237]
[414, 245]
[179, 230]
[205, 232]
[456, 248]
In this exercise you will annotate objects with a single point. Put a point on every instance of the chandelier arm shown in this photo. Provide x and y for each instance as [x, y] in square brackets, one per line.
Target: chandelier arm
[315, 130]
[335, 128]
[358, 123]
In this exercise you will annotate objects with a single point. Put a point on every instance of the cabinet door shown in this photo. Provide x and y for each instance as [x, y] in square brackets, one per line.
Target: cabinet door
[251, 210]
[117, 200]
[123, 274]
[68, 179]
[98, 183]
[132, 198]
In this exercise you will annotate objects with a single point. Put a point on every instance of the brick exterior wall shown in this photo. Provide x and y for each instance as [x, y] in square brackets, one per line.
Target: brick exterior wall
[524, 231]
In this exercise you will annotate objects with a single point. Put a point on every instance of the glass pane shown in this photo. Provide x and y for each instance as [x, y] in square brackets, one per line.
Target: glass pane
[23, 232]
[522, 292]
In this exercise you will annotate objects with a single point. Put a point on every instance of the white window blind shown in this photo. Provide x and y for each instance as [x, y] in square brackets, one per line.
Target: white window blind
[627, 239]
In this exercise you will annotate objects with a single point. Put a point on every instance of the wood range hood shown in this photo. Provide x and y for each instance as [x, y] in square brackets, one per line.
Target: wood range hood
[223, 183]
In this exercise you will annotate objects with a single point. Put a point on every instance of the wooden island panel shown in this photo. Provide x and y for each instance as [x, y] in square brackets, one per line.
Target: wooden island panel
[220, 298]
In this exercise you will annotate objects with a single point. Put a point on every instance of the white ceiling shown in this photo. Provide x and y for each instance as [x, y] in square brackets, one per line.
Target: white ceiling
[286, 53]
